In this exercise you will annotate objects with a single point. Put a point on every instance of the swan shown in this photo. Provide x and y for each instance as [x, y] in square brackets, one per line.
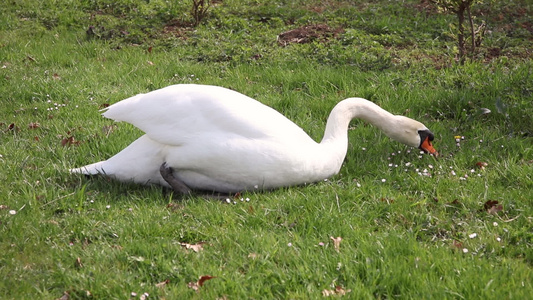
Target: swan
[202, 137]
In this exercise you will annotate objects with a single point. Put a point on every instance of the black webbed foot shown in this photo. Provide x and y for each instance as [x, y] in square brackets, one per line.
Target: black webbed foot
[180, 187]
[176, 184]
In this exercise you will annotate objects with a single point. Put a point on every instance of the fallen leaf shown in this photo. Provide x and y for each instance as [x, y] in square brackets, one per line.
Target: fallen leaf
[12, 127]
[493, 207]
[56, 76]
[103, 105]
[194, 247]
[107, 129]
[481, 165]
[204, 279]
[336, 242]
[78, 264]
[196, 285]
[457, 245]
[68, 141]
[339, 291]
[253, 255]
[33, 125]
[2, 206]
[162, 283]
[150, 63]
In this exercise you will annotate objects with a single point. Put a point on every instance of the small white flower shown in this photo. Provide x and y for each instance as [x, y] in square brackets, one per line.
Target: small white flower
[289, 244]
[407, 164]
[465, 250]
[358, 184]
[12, 212]
[430, 166]
[228, 200]
[498, 239]
[247, 199]
[453, 173]
[108, 206]
[364, 149]
[473, 235]
[383, 180]
[495, 224]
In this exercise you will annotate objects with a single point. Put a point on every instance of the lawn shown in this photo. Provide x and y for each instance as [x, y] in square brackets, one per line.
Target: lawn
[392, 224]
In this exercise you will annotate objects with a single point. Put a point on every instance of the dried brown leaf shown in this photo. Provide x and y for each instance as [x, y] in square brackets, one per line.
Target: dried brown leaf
[493, 207]
[457, 245]
[194, 247]
[33, 125]
[338, 291]
[108, 129]
[336, 242]
[196, 285]
[162, 283]
[69, 141]
[78, 264]
[204, 279]
[481, 165]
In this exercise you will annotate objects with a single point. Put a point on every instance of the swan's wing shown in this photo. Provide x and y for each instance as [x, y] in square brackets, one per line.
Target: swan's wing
[180, 113]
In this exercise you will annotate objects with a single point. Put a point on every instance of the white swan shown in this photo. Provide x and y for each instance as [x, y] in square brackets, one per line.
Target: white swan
[215, 139]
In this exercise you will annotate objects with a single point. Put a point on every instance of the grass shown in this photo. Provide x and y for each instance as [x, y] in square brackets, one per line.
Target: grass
[411, 226]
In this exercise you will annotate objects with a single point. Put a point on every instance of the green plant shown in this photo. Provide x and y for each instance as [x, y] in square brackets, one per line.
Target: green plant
[460, 8]
[199, 10]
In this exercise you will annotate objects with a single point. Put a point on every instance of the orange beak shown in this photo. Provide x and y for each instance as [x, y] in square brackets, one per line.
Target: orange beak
[426, 146]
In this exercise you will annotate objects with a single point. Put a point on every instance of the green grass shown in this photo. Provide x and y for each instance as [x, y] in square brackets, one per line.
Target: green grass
[405, 219]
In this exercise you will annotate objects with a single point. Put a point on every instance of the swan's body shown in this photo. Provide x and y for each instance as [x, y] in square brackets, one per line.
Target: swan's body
[217, 139]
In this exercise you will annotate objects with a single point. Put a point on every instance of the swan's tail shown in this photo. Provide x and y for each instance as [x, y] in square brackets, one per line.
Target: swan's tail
[92, 169]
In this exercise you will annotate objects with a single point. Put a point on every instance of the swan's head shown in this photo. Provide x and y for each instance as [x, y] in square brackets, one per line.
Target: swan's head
[415, 134]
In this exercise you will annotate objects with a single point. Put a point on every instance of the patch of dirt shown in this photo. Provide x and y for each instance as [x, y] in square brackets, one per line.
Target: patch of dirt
[308, 34]
[426, 7]
[177, 28]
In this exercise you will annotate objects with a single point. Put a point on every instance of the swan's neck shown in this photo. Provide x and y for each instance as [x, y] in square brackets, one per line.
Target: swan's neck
[346, 110]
